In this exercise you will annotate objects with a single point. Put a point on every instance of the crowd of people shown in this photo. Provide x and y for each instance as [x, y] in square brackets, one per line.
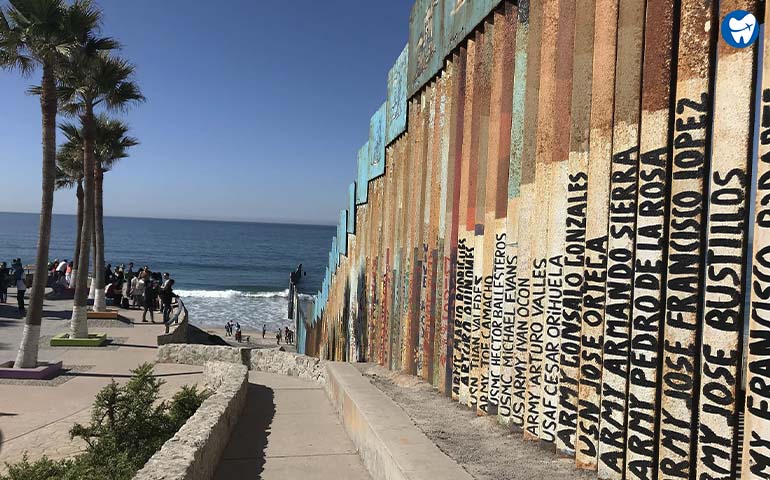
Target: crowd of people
[13, 277]
[143, 289]
[233, 329]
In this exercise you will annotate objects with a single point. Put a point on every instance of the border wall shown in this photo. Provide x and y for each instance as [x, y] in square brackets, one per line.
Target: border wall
[561, 218]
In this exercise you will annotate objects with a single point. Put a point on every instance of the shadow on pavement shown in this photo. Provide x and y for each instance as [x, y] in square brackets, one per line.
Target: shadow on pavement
[133, 345]
[127, 375]
[244, 456]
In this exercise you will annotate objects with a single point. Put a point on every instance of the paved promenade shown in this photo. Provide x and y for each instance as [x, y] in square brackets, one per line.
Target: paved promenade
[289, 430]
[37, 418]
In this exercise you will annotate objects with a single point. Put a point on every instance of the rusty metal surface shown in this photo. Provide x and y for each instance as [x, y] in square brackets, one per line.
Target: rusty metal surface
[686, 223]
[722, 321]
[620, 240]
[531, 270]
[650, 247]
[756, 441]
[520, 252]
[575, 224]
[594, 298]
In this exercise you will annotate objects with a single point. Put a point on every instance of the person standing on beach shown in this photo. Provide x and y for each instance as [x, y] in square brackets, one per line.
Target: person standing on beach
[21, 286]
[137, 289]
[166, 296]
[5, 280]
[150, 291]
[278, 336]
[264, 330]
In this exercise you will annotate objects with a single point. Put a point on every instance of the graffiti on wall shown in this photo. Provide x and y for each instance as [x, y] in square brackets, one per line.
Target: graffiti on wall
[362, 180]
[396, 103]
[426, 38]
[376, 143]
[597, 278]
[461, 17]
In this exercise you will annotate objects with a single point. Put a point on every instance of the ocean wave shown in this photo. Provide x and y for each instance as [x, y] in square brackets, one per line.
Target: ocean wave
[230, 294]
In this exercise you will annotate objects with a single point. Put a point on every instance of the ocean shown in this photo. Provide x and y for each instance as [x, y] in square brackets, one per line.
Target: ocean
[222, 270]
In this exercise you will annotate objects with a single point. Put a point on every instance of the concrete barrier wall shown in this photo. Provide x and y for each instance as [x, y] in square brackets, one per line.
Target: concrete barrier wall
[389, 444]
[564, 237]
[287, 363]
[194, 452]
[272, 360]
[200, 354]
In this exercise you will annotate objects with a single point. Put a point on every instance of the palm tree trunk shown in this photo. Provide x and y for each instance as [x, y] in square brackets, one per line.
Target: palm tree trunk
[75, 258]
[79, 322]
[100, 301]
[30, 340]
[92, 288]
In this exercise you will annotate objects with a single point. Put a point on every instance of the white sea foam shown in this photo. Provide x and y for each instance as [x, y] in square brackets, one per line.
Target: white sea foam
[230, 294]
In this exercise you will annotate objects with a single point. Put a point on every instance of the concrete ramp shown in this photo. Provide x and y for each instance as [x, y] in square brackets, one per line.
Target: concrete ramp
[389, 444]
[288, 430]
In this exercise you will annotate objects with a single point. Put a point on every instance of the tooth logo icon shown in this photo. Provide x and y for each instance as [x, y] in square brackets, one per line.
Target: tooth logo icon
[739, 29]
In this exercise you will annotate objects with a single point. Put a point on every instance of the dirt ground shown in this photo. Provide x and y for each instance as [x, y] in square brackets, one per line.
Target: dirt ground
[487, 450]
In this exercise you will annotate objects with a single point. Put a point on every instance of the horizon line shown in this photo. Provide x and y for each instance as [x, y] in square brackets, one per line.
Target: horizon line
[288, 223]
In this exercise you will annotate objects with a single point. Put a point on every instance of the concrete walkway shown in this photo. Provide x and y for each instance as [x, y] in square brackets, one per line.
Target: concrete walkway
[37, 418]
[289, 430]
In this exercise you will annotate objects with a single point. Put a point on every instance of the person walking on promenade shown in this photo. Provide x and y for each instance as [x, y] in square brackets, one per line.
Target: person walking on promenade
[166, 297]
[264, 330]
[150, 292]
[21, 286]
[137, 289]
[5, 280]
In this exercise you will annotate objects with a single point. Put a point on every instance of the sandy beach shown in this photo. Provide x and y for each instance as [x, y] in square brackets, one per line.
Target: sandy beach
[252, 339]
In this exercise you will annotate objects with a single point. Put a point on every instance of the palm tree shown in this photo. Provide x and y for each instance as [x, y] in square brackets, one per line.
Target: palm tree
[86, 83]
[42, 34]
[111, 144]
[69, 173]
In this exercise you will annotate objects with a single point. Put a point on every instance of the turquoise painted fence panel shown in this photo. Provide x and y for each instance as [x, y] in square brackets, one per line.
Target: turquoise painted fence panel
[362, 192]
[426, 39]
[461, 17]
[396, 114]
[333, 257]
[342, 233]
[352, 208]
[377, 143]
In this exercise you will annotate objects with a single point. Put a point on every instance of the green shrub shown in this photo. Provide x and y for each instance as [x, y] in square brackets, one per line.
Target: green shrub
[128, 425]
[43, 469]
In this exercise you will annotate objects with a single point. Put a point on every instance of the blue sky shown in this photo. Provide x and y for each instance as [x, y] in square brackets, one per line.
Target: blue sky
[255, 109]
